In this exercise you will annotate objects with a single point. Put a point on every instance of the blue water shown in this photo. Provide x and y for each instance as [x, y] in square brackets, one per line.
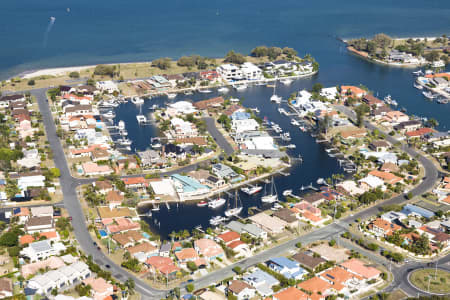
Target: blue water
[122, 31]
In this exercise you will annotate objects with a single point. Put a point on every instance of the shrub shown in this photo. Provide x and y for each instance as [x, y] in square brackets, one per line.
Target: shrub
[31, 82]
[190, 287]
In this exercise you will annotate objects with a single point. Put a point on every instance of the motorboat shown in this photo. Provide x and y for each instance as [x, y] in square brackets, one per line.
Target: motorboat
[287, 192]
[202, 204]
[216, 220]
[442, 101]
[156, 145]
[121, 125]
[223, 90]
[137, 100]
[295, 122]
[240, 87]
[234, 100]
[123, 132]
[215, 203]
[141, 119]
[417, 73]
[272, 196]
[171, 95]
[286, 81]
[251, 190]
[236, 210]
[110, 115]
[428, 95]
[418, 86]
[204, 91]
[188, 93]
[256, 110]
[125, 142]
[291, 146]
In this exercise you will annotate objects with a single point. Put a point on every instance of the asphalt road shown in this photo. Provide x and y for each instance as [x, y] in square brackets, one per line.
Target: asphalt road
[72, 204]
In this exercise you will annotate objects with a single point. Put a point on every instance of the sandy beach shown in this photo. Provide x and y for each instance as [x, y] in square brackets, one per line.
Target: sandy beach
[54, 71]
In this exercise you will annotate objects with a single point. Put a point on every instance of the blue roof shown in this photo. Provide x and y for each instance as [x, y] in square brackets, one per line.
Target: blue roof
[189, 184]
[410, 208]
[240, 115]
[285, 262]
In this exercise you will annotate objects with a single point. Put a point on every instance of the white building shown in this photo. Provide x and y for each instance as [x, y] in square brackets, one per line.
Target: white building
[329, 93]
[35, 181]
[183, 128]
[251, 72]
[230, 72]
[261, 143]
[181, 108]
[244, 125]
[41, 250]
[107, 86]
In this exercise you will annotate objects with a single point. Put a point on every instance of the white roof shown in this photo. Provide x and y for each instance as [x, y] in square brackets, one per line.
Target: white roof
[163, 187]
[41, 210]
[372, 181]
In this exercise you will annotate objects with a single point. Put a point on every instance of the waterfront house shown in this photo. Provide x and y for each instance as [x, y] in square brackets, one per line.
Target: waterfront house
[180, 108]
[380, 112]
[286, 215]
[225, 172]
[209, 103]
[372, 101]
[387, 177]
[315, 199]
[173, 151]
[359, 268]
[183, 128]
[286, 267]
[371, 182]
[353, 133]
[352, 91]
[241, 290]
[413, 210]
[128, 238]
[419, 132]
[291, 293]
[186, 254]
[308, 260]
[189, 188]
[101, 289]
[120, 225]
[396, 117]
[382, 228]
[134, 182]
[244, 125]
[149, 158]
[165, 249]
[408, 126]
[261, 281]
[108, 86]
[268, 223]
[253, 230]
[251, 71]
[230, 72]
[209, 249]
[142, 251]
[105, 212]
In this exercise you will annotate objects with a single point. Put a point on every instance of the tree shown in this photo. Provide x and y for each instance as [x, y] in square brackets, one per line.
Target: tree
[162, 63]
[31, 82]
[186, 61]
[289, 52]
[11, 189]
[104, 70]
[274, 52]
[260, 51]
[432, 56]
[131, 285]
[317, 87]
[360, 111]
[55, 172]
[191, 266]
[234, 57]
[382, 40]
[9, 239]
[332, 243]
[74, 75]
[190, 287]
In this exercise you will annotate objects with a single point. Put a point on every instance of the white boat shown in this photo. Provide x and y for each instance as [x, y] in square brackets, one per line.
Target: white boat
[223, 90]
[295, 122]
[156, 146]
[123, 132]
[287, 193]
[256, 110]
[272, 197]
[171, 95]
[442, 101]
[204, 91]
[438, 64]
[394, 103]
[155, 208]
[125, 142]
[251, 190]
[240, 87]
[418, 86]
[215, 203]
[291, 146]
[188, 93]
[275, 98]
[429, 72]
[216, 220]
[110, 115]
[141, 119]
[418, 73]
[137, 100]
[121, 125]
[231, 212]
[428, 95]
[286, 81]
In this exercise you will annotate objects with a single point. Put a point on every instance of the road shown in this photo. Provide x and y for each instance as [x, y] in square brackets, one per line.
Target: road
[72, 204]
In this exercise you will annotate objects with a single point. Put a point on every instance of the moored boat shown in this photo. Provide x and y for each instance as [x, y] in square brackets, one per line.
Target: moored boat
[202, 204]
[251, 190]
[215, 203]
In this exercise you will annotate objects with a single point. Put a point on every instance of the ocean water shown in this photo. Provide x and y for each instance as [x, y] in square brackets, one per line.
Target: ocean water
[91, 32]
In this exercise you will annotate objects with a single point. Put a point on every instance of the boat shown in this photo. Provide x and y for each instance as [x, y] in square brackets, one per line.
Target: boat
[442, 101]
[231, 212]
[256, 110]
[171, 95]
[321, 181]
[286, 81]
[287, 192]
[418, 86]
[223, 90]
[155, 208]
[216, 220]
[275, 98]
[110, 115]
[295, 122]
[156, 145]
[240, 87]
[121, 125]
[272, 197]
[251, 190]
[202, 204]
[394, 103]
[291, 146]
[428, 95]
[302, 128]
[417, 73]
[438, 64]
[125, 142]
[137, 100]
[429, 72]
[204, 91]
[188, 93]
[141, 119]
[215, 203]
[123, 132]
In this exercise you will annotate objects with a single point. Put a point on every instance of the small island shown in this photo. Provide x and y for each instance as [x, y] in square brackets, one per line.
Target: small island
[402, 52]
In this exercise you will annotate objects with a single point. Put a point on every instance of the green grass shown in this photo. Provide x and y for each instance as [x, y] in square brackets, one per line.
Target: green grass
[426, 277]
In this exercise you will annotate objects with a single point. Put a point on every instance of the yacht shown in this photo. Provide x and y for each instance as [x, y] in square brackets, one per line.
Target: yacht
[215, 203]
[204, 91]
[202, 204]
[216, 220]
[121, 125]
[251, 190]
[125, 142]
[295, 122]
[287, 193]
[171, 95]
[223, 90]
[272, 197]
[110, 115]
[236, 210]
[291, 146]
[286, 81]
[418, 73]
[137, 100]
[428, 95]
[418, 86]
[275, 98]
[188, 93]
[240, 87]
[141, 119]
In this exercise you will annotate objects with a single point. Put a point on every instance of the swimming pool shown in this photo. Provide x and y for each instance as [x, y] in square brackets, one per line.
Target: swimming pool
[102, 233]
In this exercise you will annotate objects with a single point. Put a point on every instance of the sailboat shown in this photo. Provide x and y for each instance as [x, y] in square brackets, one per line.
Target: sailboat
[231, 212]
[275, 98]
[272, 197]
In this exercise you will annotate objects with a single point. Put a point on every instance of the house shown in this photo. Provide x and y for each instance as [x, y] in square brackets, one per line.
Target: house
[164, 250]
[380, 112]
[382, 228]
[101, 289]
[103, 186]
[50, 263]
[389, 167]
[314, 199]
[396, 117]
[340, 278]
[261, 281]
[114, 198]
[7, 99]
[225, 172]
[359, 268]
[251, 229]
[372, 101]
[286, 215]
[209, 249]
[173, 151]
[183, 128]
[6, 289]
[134, 182]
[317, 287]
[244, 125]
[128, 239]
[22, 214]
[229, 237]
[291, 293]
[93, 169]
[163, 265]
[42, 211]
[28, 238]
[241, 289]
[408, 126]
[392, 216]
[209, 103]
[413, 210]
[269, 224]
[286, 267]
[39, 224]
[250, 71]
[353, 133]
[210, 75]
[379, 146]
[387, 177]
[371, 182]
[186, 254]
[230, 72]
[308, 261]
[143, 251]
[79, 109]
[105, 212]
[419, 132]
[149, 157]
[353, 91]
[188, 188]
[41, 250]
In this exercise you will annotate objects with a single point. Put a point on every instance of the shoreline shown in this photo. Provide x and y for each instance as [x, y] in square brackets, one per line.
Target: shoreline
[377, 61]
[396, 38]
